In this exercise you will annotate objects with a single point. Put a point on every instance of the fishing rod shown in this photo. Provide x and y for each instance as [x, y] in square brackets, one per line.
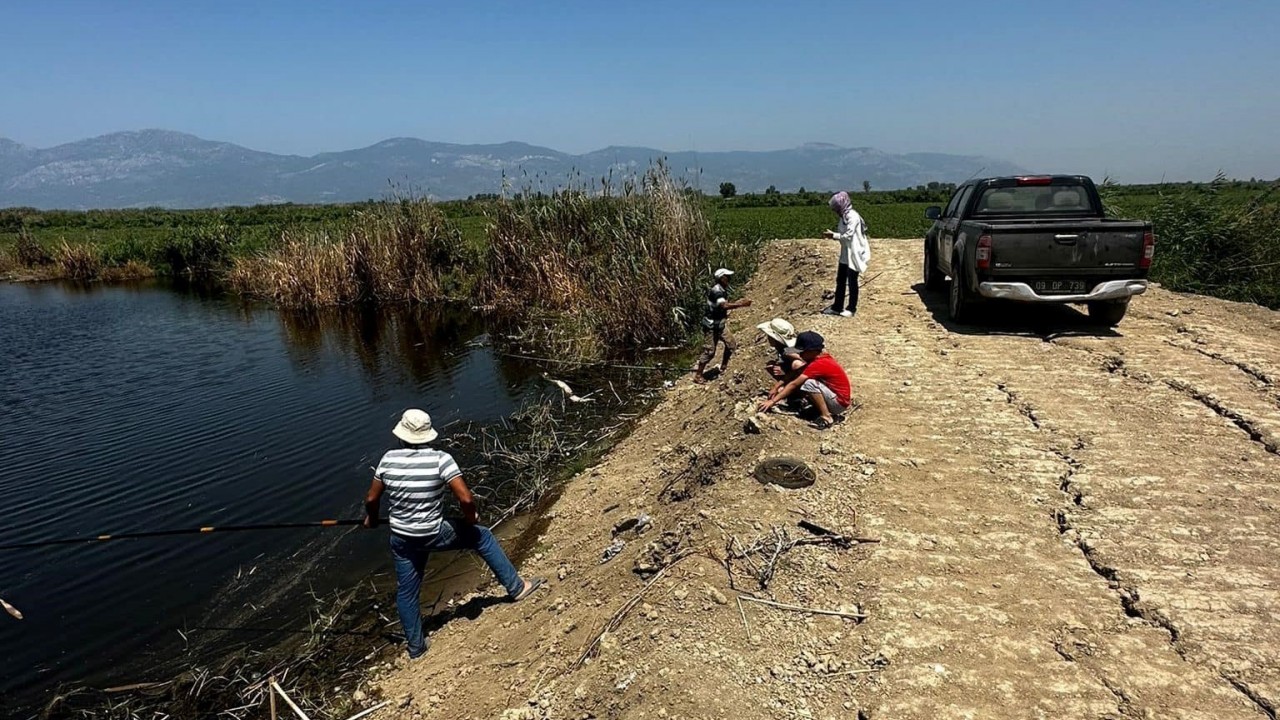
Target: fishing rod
[179, 531]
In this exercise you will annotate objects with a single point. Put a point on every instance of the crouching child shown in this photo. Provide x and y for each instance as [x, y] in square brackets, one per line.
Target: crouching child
[786, 362]
[822, 382]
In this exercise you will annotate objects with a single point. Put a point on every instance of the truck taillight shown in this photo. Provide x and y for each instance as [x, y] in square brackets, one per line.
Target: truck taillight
[984, 252]
[1148, 250]
[1035, 180]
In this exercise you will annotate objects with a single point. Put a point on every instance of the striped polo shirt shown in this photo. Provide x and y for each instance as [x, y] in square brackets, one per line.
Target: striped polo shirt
[415, 480]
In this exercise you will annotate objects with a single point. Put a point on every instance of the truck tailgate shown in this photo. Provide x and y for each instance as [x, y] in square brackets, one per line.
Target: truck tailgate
[1095, 248]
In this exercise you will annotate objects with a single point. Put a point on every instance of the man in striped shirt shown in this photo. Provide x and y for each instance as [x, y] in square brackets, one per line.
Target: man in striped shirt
[414, 478]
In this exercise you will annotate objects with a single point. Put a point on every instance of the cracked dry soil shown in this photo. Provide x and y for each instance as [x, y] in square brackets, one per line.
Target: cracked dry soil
[1073, 523]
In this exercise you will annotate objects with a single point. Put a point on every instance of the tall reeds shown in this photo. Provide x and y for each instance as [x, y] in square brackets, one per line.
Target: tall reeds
[396, 252]
[590, 274]
[586, 273]
[78, 262]
[1210, 243]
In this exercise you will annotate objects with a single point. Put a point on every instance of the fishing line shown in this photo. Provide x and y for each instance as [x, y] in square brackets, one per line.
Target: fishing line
[203, 530]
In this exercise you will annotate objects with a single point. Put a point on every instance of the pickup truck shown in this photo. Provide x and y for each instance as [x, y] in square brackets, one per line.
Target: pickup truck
[1040, 239]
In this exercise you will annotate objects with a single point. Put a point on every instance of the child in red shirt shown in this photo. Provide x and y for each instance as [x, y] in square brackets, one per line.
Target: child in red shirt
[823, 382]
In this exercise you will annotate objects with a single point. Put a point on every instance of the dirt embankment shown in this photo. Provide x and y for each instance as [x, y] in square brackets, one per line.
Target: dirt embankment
[1073, 524]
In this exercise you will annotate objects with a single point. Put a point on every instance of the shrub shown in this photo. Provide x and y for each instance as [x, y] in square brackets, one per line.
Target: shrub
[395, 252]
[130, 270]
[78, 262]
[602, 272]
[202, 250]
[1210, 243]
[29, 251]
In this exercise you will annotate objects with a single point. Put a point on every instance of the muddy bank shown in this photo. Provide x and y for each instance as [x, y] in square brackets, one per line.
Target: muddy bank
[1072, 523]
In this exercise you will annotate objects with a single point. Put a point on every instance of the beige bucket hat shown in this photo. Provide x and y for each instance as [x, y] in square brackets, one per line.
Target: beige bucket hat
[415, 427]
[780, 330]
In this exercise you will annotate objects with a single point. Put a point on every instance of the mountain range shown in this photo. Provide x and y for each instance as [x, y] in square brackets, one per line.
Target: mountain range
[161, 168]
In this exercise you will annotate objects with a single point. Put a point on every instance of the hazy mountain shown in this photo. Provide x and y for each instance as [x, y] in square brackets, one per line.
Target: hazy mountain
[170, 169]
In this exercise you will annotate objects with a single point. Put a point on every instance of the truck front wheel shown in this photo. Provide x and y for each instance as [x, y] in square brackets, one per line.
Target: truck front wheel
[1110, 313]
[962, 302]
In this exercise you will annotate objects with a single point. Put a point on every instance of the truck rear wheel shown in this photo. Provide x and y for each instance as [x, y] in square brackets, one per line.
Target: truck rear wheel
[933, 280]
[1110, 313]
[961, 301]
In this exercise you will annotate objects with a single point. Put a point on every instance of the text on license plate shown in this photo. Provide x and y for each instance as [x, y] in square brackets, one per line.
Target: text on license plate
[1058, 286]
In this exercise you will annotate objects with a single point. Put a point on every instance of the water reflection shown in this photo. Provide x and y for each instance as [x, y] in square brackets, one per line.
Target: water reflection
[396, 344]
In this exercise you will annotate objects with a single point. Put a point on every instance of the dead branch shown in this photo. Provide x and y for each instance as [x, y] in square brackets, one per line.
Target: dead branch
[797, 608]
[838, 539]
[616, 620]
[283, 696]
[770, 549]
[370, 711]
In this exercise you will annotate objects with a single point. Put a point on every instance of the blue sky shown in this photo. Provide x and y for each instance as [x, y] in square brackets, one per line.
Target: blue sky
[1138, 89]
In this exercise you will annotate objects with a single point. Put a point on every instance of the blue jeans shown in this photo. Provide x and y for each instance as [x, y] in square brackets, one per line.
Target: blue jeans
[410, 555]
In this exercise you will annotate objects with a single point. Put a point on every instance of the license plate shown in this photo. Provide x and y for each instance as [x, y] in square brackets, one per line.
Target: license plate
[1058, 287]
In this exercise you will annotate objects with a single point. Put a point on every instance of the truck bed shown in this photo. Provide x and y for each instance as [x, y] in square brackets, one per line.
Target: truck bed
[1087, 251]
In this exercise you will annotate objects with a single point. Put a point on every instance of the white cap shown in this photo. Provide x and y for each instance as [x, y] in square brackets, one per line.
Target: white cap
[721, 273]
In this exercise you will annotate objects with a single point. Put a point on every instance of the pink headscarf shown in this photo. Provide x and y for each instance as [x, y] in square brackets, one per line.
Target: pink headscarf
[840, 203]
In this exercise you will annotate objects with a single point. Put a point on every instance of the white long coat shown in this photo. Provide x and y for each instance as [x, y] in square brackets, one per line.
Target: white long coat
[855, 250]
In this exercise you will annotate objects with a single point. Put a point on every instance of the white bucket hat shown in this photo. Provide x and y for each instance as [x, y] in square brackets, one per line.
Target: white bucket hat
[415, 427]
[780, 330]
[721, 273]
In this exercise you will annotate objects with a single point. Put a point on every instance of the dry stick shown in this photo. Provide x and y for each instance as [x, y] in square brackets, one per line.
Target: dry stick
[136, 686]
[859, 671]
[616, 620]
[746, 626]
[17, 614]
[276, 686]
[370, 711]
[797, 608]
[273, 698]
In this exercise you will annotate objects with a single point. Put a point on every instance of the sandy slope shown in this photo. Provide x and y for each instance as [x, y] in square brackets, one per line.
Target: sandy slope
[1074, 524]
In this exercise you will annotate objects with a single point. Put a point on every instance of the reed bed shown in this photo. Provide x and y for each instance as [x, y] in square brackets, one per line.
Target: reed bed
[78, 262]
[395, 252]
[1212, 243]
[595, 273]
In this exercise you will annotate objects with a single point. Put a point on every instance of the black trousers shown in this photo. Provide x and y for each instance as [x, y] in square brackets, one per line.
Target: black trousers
[846, 277]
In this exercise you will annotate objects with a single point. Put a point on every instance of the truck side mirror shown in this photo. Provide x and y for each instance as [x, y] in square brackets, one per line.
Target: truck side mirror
[933, 212]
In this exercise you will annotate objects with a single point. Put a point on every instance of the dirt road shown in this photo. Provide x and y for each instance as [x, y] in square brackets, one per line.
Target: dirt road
[1073, 523]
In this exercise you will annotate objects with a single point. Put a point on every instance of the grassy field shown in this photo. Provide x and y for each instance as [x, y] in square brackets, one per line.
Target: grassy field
[898, 220]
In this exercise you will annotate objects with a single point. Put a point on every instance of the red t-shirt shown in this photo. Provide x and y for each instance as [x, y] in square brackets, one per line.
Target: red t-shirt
[827, 371]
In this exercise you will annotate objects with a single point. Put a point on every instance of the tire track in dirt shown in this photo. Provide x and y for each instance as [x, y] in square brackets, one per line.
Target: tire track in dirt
[1042, 597]
[1048, 377]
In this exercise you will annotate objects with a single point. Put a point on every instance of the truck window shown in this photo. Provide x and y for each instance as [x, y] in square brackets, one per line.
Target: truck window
[951, 205]
[962, 199]
[1035, 199]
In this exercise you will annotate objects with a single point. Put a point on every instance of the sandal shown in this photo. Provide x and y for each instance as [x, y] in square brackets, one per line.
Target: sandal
[823, 423]
[530, 587]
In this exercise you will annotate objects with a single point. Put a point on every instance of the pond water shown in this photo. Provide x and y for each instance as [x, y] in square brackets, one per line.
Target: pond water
[147, 407]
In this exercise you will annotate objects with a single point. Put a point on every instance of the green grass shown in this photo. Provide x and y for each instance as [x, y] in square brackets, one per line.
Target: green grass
[901, 220]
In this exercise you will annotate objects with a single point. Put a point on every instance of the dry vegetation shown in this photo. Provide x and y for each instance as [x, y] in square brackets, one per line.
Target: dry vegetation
[606, 271]
[394, 252]
[581, 273]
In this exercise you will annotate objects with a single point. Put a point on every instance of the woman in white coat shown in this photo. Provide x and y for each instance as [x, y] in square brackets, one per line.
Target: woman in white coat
[855, 253]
